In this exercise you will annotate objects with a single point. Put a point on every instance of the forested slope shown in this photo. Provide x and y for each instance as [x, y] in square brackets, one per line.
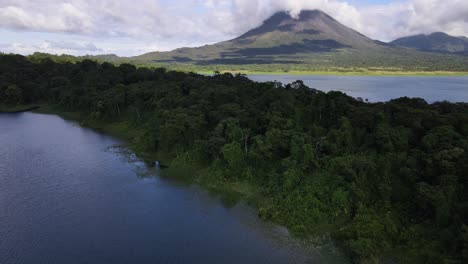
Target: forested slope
[384, 179]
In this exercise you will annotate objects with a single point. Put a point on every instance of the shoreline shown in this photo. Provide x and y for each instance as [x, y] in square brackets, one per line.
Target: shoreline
[229, 191]
[348, 73]
[8, 109]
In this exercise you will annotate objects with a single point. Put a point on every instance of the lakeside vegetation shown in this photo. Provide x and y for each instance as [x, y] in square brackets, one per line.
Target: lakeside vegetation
[347, 72]
[291, 69]
[384, 179]
[17, 108]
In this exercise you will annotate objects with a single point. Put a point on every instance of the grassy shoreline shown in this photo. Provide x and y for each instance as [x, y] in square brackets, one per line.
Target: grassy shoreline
[11, 109]
[348, 73]
[120, 130]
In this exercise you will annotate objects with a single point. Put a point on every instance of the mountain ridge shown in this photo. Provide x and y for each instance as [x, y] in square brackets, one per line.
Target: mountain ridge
[435, 42]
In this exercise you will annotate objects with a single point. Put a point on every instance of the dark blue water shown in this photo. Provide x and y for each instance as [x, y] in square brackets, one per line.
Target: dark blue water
[69, 195]
[383, 88]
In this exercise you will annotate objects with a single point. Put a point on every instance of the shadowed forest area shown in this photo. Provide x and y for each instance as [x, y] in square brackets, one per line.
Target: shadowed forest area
[384, 179]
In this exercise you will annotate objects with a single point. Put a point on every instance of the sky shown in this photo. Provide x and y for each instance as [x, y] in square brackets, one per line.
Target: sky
[134, 27]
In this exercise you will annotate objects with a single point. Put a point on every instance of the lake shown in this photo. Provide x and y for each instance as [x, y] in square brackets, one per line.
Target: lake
[382, 88]
[71, 195]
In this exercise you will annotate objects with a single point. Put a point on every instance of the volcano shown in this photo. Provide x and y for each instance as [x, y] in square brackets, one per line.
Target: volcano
[312, 38]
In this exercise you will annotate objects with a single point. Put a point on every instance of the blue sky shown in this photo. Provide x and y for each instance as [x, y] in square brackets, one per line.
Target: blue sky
[129, 27]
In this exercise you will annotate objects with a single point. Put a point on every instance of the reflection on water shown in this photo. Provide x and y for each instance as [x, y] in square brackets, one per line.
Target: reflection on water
[70, 195]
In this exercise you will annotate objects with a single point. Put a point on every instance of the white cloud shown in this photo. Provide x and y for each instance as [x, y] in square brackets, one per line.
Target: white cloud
[167, 24]
[36, 16]
[53, 47]
[391, 21]
[78, 46]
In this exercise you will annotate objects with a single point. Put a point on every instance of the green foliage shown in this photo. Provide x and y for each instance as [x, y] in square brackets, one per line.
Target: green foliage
[12, 94]
[382, 178]
[372, 233]
[234, 157]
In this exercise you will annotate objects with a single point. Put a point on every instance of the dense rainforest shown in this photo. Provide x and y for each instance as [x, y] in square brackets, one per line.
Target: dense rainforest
[384, 179]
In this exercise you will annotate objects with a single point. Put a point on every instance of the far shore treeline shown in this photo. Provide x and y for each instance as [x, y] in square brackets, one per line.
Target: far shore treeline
[386, 180]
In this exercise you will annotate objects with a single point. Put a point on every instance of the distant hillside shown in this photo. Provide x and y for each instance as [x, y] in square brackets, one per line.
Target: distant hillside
[38, 56]
[435, 42]
[311, 41]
